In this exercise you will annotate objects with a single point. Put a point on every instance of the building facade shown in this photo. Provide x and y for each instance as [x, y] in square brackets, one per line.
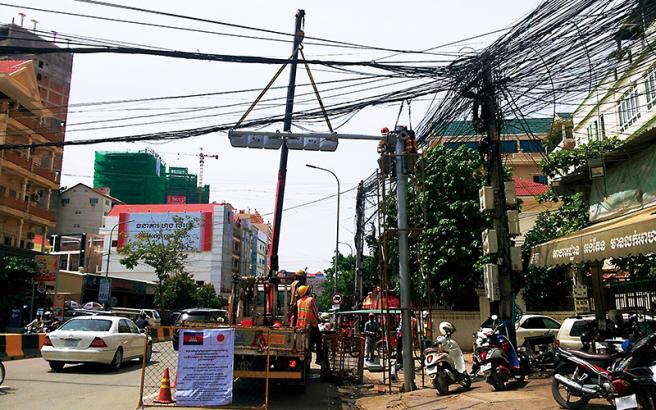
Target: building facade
[133, 177]
[28, 177]
[82, 209]
[211, 261]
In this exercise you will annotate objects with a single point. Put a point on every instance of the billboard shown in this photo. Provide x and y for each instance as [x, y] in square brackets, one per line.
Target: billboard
[176, 199]
[161, 224]
[47, 267]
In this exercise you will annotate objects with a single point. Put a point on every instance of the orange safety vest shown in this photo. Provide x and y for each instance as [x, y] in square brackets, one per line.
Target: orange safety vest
[295, 285]
[307, 313]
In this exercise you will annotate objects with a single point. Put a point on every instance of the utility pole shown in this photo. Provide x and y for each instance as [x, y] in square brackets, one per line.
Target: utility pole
[402, 219]
[500, 218]
[359, 240]
[282, 170]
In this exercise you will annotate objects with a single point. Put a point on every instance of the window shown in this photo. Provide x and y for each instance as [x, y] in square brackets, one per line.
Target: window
[133, 327]
[550, 324]
[650, 87]
[76, 225]
[531, 146]
[533, 323]
[593, 131]
[7, 240]
[93, 201]
[507, 147]
[38, 77]
[123, 326]
[581, 326]
[66, 201]
[628, 108]
[13, 194]
[2, 190]
[540, 179]
[87, 325]
[107, 202]
[78, 212]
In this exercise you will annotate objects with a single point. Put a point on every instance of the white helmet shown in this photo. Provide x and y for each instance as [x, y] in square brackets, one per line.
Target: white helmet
[425, 313]
[446, 328]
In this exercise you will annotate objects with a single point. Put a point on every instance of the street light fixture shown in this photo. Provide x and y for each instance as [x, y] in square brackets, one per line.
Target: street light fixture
[349, 245]
[337, 224]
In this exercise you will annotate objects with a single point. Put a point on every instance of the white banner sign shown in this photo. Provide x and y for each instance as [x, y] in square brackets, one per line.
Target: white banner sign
[161, 224]
[205, 367]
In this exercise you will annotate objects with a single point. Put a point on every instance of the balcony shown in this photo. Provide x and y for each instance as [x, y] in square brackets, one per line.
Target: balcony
[55, 134]
[16, 158]
[46, 173]
[13, 203]
[41, 213]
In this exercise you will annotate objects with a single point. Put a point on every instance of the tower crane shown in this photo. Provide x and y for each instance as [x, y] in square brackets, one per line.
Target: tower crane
[201, 166]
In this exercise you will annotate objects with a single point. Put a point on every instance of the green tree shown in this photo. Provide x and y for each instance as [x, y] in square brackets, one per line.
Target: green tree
[346, 280]
[208, 298]
[16, 276]
[448, 250]
[164, 250]
[178, 291]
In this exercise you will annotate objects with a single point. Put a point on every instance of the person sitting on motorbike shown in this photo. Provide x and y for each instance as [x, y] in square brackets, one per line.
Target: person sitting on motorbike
[35, 325]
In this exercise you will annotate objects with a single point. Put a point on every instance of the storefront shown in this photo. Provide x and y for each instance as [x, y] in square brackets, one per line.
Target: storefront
[124, 292]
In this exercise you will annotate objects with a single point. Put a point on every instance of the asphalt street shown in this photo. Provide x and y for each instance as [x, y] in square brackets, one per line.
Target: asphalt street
[30, 384]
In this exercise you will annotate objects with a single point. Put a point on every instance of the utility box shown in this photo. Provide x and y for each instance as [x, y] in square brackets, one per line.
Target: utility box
[486, 198]
[490, 244]
[491, 279]
[509, 188]
[516, 258]
[513, 222]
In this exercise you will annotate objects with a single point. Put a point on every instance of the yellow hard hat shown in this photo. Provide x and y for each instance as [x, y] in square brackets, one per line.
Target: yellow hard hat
[300, 272]
[302, 290]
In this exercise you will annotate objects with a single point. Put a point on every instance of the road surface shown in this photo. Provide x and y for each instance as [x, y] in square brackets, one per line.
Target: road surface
[30, 384]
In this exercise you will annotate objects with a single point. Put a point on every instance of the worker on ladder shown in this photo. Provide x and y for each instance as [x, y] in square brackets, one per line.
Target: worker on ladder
[299, 280]
[308, 318]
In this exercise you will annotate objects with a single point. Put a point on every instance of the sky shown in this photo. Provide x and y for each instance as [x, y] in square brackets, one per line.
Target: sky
[245, 177]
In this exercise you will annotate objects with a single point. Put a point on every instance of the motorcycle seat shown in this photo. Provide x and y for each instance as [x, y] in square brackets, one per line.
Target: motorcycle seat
[591, 357]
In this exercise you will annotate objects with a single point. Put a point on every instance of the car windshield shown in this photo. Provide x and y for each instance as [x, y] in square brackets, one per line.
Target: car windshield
[87, 325]
[196, 316]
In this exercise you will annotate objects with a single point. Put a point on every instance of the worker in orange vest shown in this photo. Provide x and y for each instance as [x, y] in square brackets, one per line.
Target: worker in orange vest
[308, 318]
[299, 280]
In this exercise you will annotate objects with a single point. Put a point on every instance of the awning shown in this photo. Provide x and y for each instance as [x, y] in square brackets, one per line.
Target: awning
[626, 235]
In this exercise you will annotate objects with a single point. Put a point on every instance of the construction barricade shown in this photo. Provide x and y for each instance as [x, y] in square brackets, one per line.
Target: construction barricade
[345, 357]
[161, 376]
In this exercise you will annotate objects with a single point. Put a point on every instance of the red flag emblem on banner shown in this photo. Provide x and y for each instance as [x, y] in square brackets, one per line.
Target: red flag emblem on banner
[193, 338]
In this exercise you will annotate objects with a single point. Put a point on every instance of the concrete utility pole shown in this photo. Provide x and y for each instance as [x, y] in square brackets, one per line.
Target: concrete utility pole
[359, 240]
[500, 218]
[404, 273]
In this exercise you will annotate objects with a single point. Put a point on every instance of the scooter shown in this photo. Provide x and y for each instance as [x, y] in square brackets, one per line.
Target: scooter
[445, 362]
[498, 360]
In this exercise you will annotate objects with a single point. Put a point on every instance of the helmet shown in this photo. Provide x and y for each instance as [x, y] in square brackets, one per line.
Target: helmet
[302, 290]
[446, 328]
[300, 272]
[371, 314]
[615, 316]
[47, 314]
[425, 313]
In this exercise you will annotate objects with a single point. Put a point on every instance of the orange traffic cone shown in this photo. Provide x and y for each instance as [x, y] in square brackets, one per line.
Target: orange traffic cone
[175, 381]
[165, 390]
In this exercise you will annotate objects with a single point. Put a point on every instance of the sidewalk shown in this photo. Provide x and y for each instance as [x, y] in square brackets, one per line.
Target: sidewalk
[535, 393]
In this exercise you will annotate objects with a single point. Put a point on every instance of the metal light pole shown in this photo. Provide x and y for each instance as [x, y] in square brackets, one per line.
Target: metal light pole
[109, 250]
[336, 227]
[349, 245]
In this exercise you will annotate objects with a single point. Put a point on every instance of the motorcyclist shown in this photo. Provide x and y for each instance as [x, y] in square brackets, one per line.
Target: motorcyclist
[36, 325]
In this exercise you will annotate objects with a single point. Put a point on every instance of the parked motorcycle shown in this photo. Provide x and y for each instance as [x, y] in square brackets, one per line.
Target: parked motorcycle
[626, 379]
[445, 362]
[497, 359]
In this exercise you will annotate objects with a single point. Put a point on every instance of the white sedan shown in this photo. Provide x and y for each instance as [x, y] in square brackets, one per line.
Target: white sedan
[95, 339]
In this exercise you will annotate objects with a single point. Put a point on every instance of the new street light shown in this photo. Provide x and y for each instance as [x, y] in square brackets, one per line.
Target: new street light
[337, 225]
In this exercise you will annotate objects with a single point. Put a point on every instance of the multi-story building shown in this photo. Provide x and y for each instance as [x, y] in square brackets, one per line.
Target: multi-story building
[211, 261]
[133, 177]
[28, 177]
[182, 188]
[315, 280]
[81, 208]
[261, 234]
[522, 143]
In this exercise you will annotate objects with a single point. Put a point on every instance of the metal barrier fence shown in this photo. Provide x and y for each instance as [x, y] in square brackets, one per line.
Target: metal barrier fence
[345, 357]
[158, 385]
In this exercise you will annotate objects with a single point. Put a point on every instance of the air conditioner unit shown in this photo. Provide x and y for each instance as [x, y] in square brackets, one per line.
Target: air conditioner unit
[509, 188]
[516, 258]
[513, 222]
[490, 244]
[491, 280]
[486, 198]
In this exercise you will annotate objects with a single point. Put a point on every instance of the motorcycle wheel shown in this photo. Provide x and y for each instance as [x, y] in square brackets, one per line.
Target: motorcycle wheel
[495, 380]
[465, 381]
[645, 402]
[557, 390]
[441, 383]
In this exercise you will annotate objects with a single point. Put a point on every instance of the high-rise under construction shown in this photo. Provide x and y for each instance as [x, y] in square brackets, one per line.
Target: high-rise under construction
[133, 177]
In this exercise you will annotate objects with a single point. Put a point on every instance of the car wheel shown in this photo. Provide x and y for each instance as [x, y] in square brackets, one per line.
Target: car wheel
[118, 359]
[149, 352]
[56, 366]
